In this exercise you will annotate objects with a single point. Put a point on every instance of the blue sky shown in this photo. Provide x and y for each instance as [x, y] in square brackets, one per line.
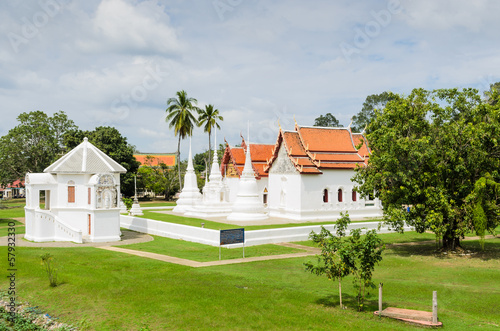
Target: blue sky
[116, 62]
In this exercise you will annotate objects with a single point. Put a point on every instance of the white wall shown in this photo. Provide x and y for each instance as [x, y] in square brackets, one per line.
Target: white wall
[212, 237]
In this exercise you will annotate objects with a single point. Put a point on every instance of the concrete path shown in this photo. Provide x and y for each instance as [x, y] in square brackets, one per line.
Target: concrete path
[309, 251]
[129, 237]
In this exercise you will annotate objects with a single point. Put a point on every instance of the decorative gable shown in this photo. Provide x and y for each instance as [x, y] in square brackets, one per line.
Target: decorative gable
[283, 164]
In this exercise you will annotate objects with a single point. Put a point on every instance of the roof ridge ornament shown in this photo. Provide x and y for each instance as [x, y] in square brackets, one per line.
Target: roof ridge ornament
[364, 130]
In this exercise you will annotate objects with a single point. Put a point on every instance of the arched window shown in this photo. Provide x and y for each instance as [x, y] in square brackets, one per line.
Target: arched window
[354, 195]
[325, 195]
[340, 195]
[71, 191]
[264, 196]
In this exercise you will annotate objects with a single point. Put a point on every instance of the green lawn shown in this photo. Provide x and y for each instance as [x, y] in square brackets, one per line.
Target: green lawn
[223, 226]
[104, 290]
[157, 203]
[204, 253]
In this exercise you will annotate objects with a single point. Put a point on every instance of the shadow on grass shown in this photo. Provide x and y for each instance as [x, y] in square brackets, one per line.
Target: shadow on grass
[349, 301]
[470, 249]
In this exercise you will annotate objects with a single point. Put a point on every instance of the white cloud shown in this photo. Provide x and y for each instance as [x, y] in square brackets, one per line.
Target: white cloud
[122, 27]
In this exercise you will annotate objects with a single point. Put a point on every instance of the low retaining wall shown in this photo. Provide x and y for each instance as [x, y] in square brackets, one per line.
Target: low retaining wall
[211, 237]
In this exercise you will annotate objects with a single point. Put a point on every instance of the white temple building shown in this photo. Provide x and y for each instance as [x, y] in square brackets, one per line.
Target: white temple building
[306, 175]
[82, 192]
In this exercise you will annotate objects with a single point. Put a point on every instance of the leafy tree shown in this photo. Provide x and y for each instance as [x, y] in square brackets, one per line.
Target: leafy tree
[492, 95]
[327, 121]
[209, 117]
[340, 256]
[179, 116]
[367, 251]
[367, 113]
[429, 150]
[111, 142]
[336, 260]
[156, 176]
[483, 206]
[32, 145]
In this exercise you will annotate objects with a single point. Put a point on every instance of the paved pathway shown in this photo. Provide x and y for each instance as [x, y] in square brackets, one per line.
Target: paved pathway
[129, 237]
[309, 251]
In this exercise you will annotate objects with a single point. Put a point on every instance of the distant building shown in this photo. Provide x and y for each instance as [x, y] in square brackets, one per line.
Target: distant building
[169, 159]
[82, 194]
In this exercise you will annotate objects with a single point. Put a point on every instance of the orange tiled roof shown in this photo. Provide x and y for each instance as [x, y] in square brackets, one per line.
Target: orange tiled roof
[168, 159]
[314, 148]
[364, 150]
[259, 154]
[319, 139]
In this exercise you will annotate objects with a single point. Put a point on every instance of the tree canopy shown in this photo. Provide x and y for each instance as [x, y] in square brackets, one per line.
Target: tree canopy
[430, 149]
[367, 113]
[180, 117]
[327, 120]
[32, 145]
[208, 119]
[111, 142]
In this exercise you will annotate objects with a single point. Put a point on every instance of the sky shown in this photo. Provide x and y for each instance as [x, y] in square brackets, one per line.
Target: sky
[259, 62]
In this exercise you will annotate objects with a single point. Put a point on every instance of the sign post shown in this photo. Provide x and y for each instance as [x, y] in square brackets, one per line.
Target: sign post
[232, 236]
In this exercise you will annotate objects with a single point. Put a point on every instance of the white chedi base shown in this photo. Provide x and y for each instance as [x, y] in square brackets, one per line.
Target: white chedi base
[136, 209]
[187, 199]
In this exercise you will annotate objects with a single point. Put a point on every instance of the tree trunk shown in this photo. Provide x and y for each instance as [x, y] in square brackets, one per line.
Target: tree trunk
[179, 162]
[450, 242]
[209, 152]
[340, 292]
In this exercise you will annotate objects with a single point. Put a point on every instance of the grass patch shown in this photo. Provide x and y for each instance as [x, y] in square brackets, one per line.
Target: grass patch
[171, 218]
[5, 231]
[103, 290]
[204, 253]
[4, 222]
[157, 204]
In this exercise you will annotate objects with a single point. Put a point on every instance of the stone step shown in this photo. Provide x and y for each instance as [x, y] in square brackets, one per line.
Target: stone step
[417, 315]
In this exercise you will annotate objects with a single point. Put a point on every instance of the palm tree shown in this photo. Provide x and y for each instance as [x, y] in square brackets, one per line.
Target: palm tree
[209, 117]
[180, 117]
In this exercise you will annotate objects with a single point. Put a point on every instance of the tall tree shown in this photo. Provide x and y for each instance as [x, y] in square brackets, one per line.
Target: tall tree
[491, 95]
[208, 118]
[32, 145]
[327, 121]
[367, 113]
[180, 118]
[111, 142]
[157, 177]
[429, 151]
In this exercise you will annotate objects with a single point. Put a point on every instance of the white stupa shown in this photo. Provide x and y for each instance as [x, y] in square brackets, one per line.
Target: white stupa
[215, 194]
[248, 205]
[190, 195]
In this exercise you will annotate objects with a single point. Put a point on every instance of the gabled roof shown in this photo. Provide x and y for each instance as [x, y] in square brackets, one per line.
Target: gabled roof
[85, 159]
[312, 149]
[259, 154]
[359, 139]
[290, 140]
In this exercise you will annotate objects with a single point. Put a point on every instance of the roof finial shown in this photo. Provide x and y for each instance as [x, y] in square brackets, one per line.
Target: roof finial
[279, 124]
[294, 119]
[364, 130]
[349, 126]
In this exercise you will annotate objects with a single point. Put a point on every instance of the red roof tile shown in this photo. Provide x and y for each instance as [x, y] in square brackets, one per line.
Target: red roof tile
[318, 139]
[168, 159]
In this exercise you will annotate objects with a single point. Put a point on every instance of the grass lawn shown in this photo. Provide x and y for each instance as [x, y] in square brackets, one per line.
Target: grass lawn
[223, 226]
[104, 290]
[157, 203]
[205, 253]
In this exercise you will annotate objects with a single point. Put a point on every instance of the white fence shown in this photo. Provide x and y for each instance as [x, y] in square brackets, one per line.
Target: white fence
[211, 237]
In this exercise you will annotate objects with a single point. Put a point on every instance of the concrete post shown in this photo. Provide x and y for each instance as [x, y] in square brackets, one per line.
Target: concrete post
[434, 307]
[380, 299]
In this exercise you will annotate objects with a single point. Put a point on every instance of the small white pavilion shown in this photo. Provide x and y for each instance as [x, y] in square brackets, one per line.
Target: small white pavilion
[82, 193]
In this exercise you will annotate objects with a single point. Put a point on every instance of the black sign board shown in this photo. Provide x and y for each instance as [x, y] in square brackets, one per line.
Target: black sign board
[232, 236]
